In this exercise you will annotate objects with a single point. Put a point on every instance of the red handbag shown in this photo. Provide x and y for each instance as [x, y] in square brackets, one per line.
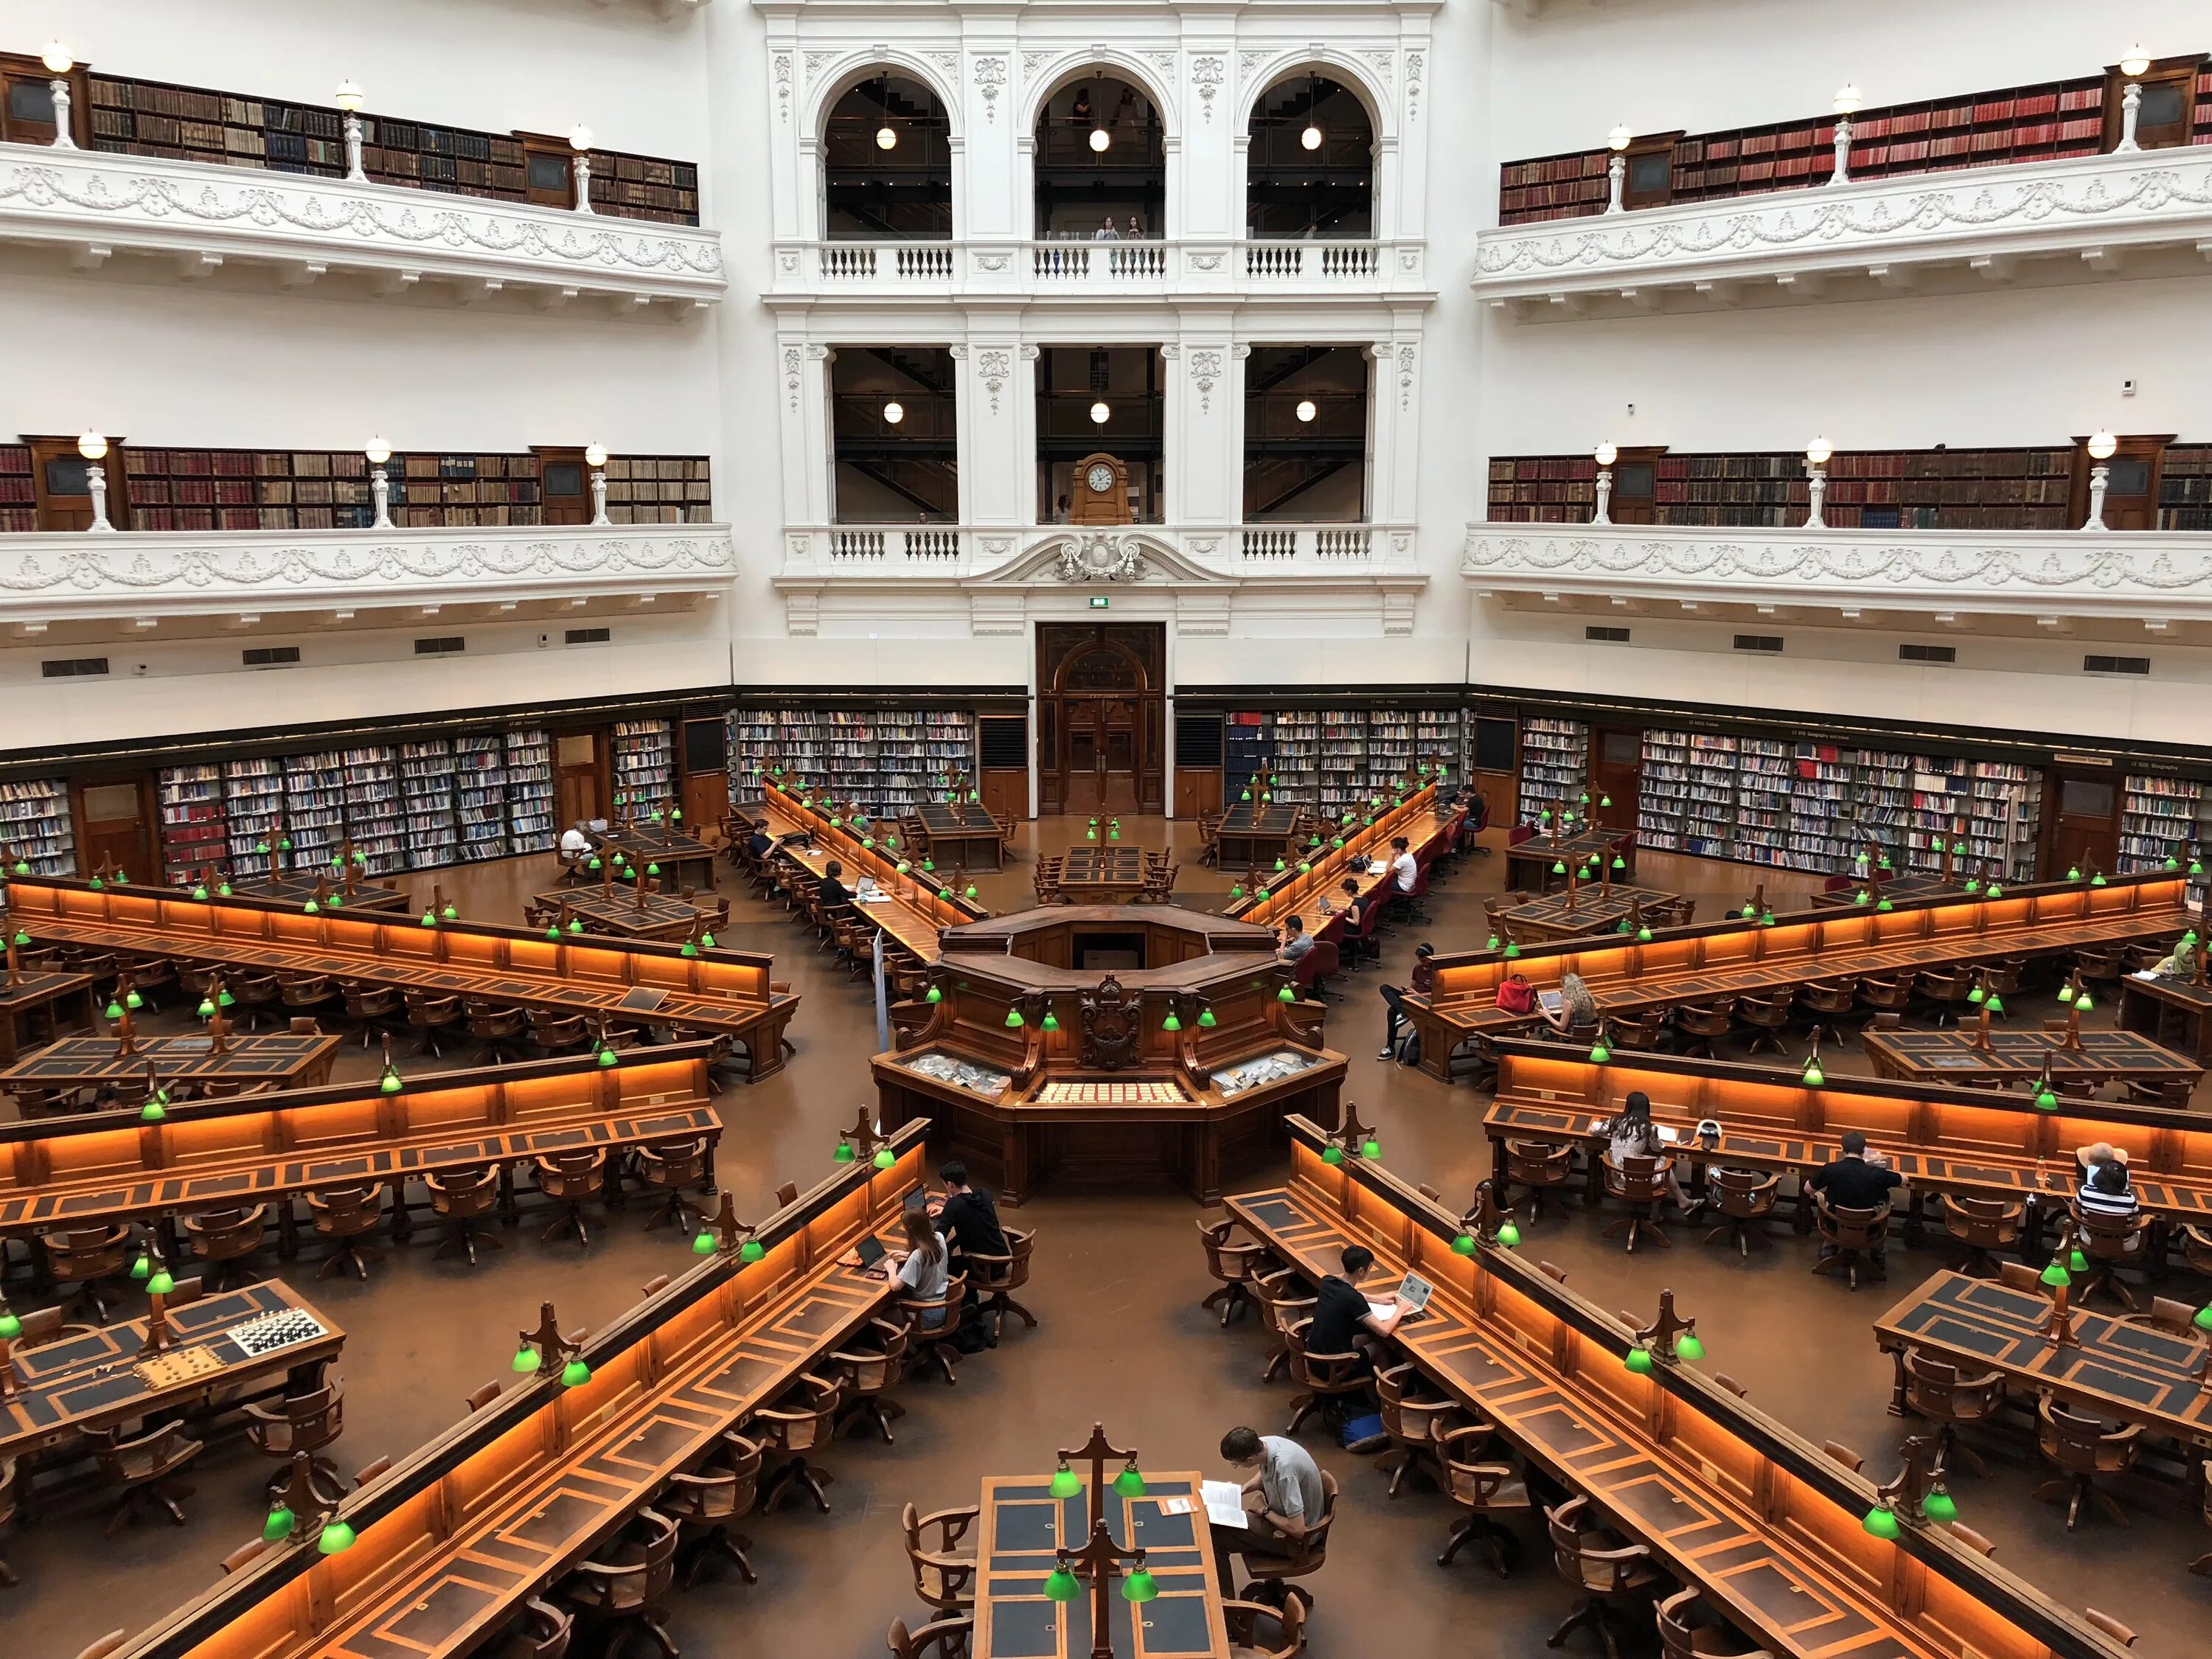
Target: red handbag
[1517, 996]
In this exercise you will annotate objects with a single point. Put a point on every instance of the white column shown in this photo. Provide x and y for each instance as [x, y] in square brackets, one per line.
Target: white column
[791, 195]
[64, 138]
[1394, 394]
[802, 391]
[998, 467]
[1204, 195]
[991, 98]
[1199, 381]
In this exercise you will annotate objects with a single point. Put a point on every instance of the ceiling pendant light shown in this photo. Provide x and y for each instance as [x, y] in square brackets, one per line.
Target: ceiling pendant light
[885, 137]
[894, 411]
[1307, 410]
[1099, 413]
[1311, 136]
[1099, 139]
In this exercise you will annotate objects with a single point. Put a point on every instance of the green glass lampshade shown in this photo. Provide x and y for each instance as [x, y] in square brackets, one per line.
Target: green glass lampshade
[1749, 911]
[1114, 833]
[1508, 1235]
[1051, 1021]
[576, 1373]
[1937, 845]
[1638, 1360]
[1141, 1586]
[1065, 1483]
[1246, 795]
[114, 1010]
[161, 1283]
[1262, 895]
[1013, 1019]
[597, 863]
[1643, 936]
[1130, 1483]
[261, 847]
[206, 1008]
[1286, 995]
[607, 1056]
[752, 1251]
[1490, 943]
[1205, 1019]
[278, 1527]
[2046, 1101]
[153, 1112]
[2084, 1003]
[1995, 891]
[1464, 1245]
[1884, 905]
[1978, 996]
[223, 998]
[1996, 1004]
[1861, 897]
[970, 893]
[886, 1159]
[199, 889]
[142, 1268]
[2056, 1275]
[1336, 843]
[2203, 1320]
[1370, 1147]
[705, 941]
[337, 1539]
[311, 908]
[2078, 1262]
[689, 950]
[553, 932]
[2196, 867]
[1171, 1023]
[2097, 880]
[702, 1242]
[843, 1154]
[1814, 1077]
[1279, 865]
[10, 1327]
[1305, 869]
[935, 994]
[223, 892]
[1332, 1156]
[2074, 873]
[1687, 1346]
[1973, 884]
[526, 1361]
[1886, 864]
[835, 822]
[1313, 841]
[929, 864]
[575, 925]
[903, 866]
[1618, 862]
[22, 937]
[2173, 864]
[1880, 1523]
[1939, 1506]
[1059, 1585]
[97, 884]
[1512, 952]
[1237, 891]
[1090, 835]
[1599, 1052]
[1558, 866]
[429, 919]
[22, 866]
[944, 893]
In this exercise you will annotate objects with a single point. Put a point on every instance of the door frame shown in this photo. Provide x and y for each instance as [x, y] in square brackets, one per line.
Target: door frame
[2056, 776]
[149, 865]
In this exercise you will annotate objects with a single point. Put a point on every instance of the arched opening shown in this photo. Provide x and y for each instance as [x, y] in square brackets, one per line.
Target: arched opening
[887, 163]
[895, 435]
[1305, 433]
[1310, 169]
[1101, 426]
[1101, 163]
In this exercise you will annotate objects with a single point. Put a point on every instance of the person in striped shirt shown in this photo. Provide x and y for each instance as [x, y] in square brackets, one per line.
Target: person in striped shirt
[2105, 1189]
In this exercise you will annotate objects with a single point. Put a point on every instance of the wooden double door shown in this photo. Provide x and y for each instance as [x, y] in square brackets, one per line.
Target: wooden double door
[1102, 711]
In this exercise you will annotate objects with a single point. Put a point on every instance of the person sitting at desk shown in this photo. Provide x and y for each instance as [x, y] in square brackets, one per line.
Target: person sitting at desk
[926, 1270]
[1405, 870]
[969, 1215]
[1296, 942]
[1282, 1496]
[575, 841]
[1354, 908]
[2181, 962]
[1855, 1179]
[760, 843]
[1633, 1133]
[1393, 997]
[1343, 1317]
[2105, 1189]
[1576, 1005]
[835, 898]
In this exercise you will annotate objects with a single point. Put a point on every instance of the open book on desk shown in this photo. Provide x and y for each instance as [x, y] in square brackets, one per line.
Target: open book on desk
[1225, 1504]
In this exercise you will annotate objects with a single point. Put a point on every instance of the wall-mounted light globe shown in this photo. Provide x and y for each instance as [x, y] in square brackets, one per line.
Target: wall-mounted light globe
[377, 451]
[1817, 452]
[1848, 100]
[2101, 447]
[348, 96]
[93, 446]
[1099, 139]
[1307, 409]
[580, 137]
[894, 411]
[1606, 455]
[1099, 413]
[2135, 64]
[595, 454]
[1620, 138]
[57, 58]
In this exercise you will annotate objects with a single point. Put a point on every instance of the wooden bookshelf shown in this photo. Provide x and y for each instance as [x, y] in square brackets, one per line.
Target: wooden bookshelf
[644, 766]
[226, 129]
[889, 760]
[19, 490]
[2184, 494]
[1555, 764]
[35, 825]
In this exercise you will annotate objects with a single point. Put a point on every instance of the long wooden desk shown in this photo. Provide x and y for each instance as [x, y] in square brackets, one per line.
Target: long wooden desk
[1528, 863]
[913, 913]
[453, 1539]
[1895, 889]
[91, 1170]
[1707, 961]
[2103, 1057]
[295, 889]
[721, 994]
[1292, 894]
[2176, 1012]
[1253, 834]
[1019, 1535]
[1101, 875]
[963, 835]
[1975, 1141]
[39, 1006]
[287, 1060]
[2134, 1373]
[684, 859]
[625, 912]
[1763, 1523]
[1597, 908]
[82, 1384]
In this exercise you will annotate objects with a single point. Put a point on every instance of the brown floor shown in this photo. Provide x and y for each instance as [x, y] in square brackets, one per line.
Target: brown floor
[1118, 1280]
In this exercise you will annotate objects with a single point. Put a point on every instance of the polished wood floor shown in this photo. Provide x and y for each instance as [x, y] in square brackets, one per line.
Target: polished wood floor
[1117, 1284]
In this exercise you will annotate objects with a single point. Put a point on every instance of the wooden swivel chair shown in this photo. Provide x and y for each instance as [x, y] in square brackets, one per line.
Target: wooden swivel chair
[996, 1278]
[1884, 996]
[1480, 1481]
[499, 1028]
[377, 1009]
[806, 1417]
[1689, 1629]
[1413, 1419]
[1943, 1395]
[301, 1423]
[2100, 968]
[571, 1180]
[2111, 1243]
[1702, 1025]
[541, 1631]
[2085, 1449]
[255, 995]
[944, 1573]
[145, 1468]
[1854, 1241]
[933, 1328]
[667, 1168]
[1645, 1034]
[708, 1500]
[1983, 1225]
[1285, 1300]
[1257, 1630]
[346, 1215]
[1543, 1168]
[559, 1034]
[1232, 1265]
[87, 1258]
[1329, 1383]
[866, 1367]
[1286, 1559]
[429, 1013]
[1943, 992]
[1743, 1198]
[224, 1238]
[627, 1584]
[941, 1638]
[465, 1198]
[1826, 1004]
[1640, 1183]
[1614, 1577]
[1767, 1018]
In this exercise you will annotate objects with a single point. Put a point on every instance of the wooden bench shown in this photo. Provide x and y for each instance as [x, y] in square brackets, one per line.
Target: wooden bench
[451, 1542]
[726, 995]
[1981, 1142]
[1710, 961]
[1761, 1521]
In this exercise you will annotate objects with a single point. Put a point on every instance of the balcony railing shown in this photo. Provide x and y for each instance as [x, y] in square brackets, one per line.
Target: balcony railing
[934, 269]
[1233, 551]
[2154, 576]
[62, 577]
[2089, 212]
[200, 217]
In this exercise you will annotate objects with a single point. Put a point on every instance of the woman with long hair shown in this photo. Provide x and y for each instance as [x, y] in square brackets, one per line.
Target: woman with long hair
[925, 1273]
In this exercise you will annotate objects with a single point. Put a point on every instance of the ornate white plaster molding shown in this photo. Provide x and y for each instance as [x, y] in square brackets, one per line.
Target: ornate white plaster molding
[2091, 206]
[2136, 574]
[52, 575]
[205, 215]
[1249, 270]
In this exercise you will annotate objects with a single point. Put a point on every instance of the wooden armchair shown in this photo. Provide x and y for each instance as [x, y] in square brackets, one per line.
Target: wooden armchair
[1853, 1240]
[1646, 1033]
[804, 1417]
[1480, 1481]
[628, 1582]
[1209, 838]
[465, 1198]
[346, 1215]
[1544, 1168]
[224, 1238]
[377, 1009]
[1743, 1198]
[559, 1034]
[1983, 1225]
[1827, 1003]
[1701, 1026]
[667, 1168]
[1689, 1629]
[1941, 1393]
[301, 1424]
[87, 1258]
[256, 994]
[866, 1368]
[1330, 1383]
[944, 1573]
[933, 1327]
[500, 1029]
[1640, 1183]
[1262, 1632]
[996, 1278]
[1291, 1559]
[708, 1500]
[571, 1180]
[2085, 1449]
[1767, 1018]
[1613, 1576]
[1232, 1266]
[941, 1638]
[1285, 1300]
[1943, 992]
[1414, 1421]
[306, 990]
[1884, 996]
[429, 1013]
[2111, 1243]
[145, 1469]
[541, 1631]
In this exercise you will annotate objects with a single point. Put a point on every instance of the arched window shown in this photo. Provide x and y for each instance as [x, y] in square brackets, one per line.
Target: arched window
[1101, 164]
[887, 163]
[1310, 170]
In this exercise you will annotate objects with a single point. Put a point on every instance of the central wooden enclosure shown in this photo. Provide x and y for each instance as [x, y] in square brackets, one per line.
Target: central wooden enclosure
[1109, 1045]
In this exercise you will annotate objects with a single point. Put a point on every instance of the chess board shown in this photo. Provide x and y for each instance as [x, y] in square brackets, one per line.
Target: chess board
[177, 1367]
[273, 1331]
[1112, 1094]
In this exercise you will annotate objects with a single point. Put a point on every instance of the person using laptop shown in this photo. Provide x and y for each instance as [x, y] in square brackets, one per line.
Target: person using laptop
[1576, 1006]
[835, 898]
[1282, 1495]
[1345, 1318]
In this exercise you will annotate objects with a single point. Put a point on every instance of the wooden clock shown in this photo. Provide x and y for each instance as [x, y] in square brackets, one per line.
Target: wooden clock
[1099, 494]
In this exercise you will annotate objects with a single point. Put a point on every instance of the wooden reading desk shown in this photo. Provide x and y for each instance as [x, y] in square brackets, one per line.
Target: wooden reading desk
[92, 1169]
[1976, 1141]
[1763, 1524]
[718, 992]
[685, 860]
[1019, 1535]
[912, 912]
[39, 1004]
[453, 1539]
[1253, 833]
[293, 890]
[2176, 1011]
[1582, 910]
[626, 912]
[1895, 889]
[961, 833]
[82, 1384]
[1528, 864]
[2103, 1056]
[2118, 1368]
[1102, 875]
[283, 1060]
[1707, 962]
[1292, 894]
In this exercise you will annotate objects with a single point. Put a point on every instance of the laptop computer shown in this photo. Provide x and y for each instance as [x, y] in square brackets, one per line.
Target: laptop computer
[1414, 1293]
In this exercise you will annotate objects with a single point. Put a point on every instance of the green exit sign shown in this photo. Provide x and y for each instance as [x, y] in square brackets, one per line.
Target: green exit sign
[1098, 601]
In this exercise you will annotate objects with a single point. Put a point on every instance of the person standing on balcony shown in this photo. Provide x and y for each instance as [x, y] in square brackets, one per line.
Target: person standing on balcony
[1106, 232]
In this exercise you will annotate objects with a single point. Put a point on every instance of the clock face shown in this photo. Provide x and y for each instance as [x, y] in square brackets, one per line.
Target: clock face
[1100, 478]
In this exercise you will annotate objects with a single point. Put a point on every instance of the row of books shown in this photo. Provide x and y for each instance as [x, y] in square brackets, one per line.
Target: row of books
[890, 760]
[2164, 818]
[643, 766]
[35, 828]
[1336, 759]
[1555, 764]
